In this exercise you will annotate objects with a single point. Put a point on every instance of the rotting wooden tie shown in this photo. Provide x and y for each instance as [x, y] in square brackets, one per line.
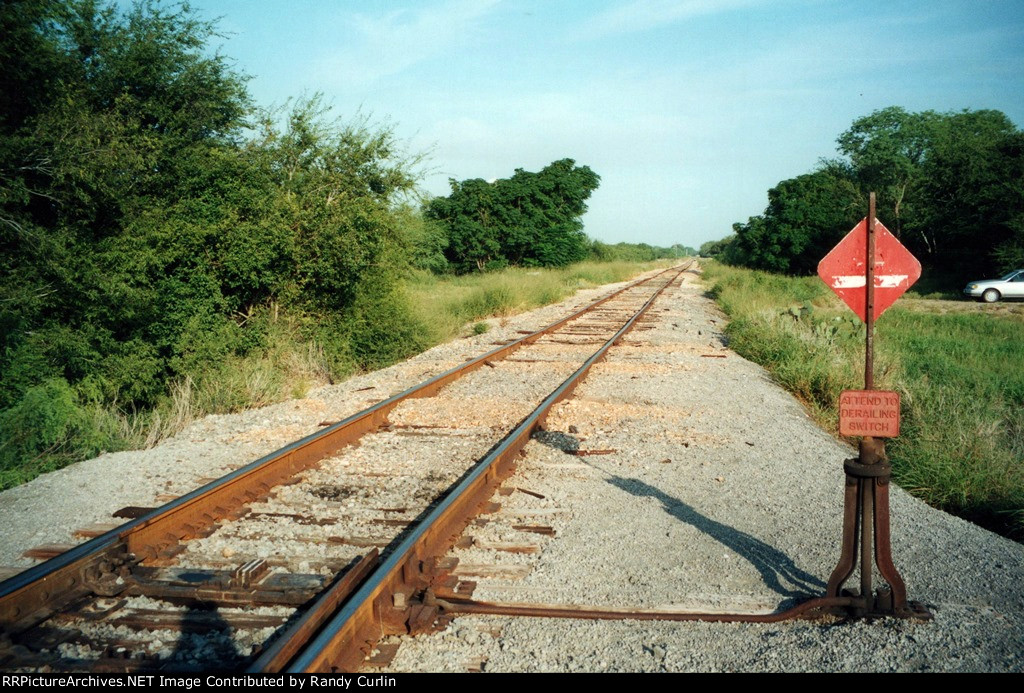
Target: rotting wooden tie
[535, 529]
[45, 552]
[96, 529]
[382, 655]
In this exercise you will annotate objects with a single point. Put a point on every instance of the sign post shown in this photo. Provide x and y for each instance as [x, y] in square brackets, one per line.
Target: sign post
[869, 269]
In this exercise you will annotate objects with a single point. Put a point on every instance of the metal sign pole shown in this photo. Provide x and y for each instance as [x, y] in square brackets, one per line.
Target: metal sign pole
[869, 310]
[866, 511]
[866, 486]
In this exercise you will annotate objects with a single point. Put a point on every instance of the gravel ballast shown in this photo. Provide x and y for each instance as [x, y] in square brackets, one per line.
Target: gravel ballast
[720, 494]
[49, 509]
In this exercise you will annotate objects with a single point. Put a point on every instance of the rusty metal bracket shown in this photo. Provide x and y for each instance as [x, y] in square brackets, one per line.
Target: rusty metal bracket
[858, 470]
[866, 526]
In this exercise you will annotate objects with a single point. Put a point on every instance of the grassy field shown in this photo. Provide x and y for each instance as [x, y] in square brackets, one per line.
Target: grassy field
[959, 370]
[448, 305]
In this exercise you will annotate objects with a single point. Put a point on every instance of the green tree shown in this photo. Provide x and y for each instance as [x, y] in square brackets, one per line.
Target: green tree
[426, 239]
[973, 194]
[553, 218]
[805, 217]
[335, 183]
[143, 234]
[887, 151]
[952, 184]
[468, 215]
[715, 249]
[127, 102]
[530, 219]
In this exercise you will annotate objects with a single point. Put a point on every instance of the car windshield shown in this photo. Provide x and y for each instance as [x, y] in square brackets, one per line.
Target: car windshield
[1009, 276]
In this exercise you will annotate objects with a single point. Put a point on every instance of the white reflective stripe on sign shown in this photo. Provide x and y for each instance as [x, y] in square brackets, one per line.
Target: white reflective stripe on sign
[882, 281]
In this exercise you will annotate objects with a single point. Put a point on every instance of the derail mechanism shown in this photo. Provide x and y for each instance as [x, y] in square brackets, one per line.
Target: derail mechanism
[866, 517]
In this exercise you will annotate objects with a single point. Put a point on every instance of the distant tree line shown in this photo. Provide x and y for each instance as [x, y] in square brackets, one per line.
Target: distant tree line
[637, 252]
[950, 186]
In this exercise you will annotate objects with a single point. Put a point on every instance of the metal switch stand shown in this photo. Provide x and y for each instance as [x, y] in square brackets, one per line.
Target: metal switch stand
[866, 522]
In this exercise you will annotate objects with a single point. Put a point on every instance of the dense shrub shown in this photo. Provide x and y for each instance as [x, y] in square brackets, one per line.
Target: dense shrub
[157, 230]
[530, 219]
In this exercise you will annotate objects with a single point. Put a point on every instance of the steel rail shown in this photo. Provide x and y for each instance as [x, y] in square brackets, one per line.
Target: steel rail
[99, 565]
[373, 611]
[289, 643]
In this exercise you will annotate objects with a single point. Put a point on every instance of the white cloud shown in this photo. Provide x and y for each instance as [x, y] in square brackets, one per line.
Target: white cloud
[599, 123]
[641, 15]
[388, 44]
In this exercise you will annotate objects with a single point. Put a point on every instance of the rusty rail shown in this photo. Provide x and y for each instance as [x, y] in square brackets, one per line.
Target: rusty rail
[99, 565]
[289, 643]
[390, 601]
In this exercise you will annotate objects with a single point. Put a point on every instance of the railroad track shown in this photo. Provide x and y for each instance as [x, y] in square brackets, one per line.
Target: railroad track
[305, 558]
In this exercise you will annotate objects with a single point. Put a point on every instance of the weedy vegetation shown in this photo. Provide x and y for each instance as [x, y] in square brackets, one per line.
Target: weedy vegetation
[444, 304]
[960, 377]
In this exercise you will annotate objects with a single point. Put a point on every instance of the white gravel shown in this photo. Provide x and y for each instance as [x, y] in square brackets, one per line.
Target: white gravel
[721, 494]
[49, 509]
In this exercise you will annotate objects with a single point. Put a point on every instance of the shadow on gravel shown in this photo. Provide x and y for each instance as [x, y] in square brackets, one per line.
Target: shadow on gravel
[777, 569]
[205, 643]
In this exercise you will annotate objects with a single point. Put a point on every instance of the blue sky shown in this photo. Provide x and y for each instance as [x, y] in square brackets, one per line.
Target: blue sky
[689, 110]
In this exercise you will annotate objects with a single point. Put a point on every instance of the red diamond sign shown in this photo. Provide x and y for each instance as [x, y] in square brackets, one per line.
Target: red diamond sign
[845, 269]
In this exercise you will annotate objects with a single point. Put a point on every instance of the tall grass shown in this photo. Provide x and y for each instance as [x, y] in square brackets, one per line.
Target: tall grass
[55, 426]
[961, 379]
[446, 304]
[52, 428]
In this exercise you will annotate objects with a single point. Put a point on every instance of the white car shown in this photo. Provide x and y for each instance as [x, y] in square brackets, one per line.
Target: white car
[991, 290]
